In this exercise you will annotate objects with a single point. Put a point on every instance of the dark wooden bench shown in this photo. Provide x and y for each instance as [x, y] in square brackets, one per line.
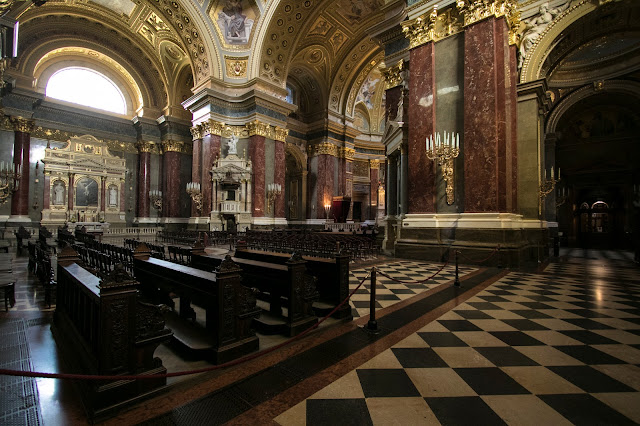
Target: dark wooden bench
[332, 277]
[22, 235]
[285, 286]
[230, 307]
[102, 328]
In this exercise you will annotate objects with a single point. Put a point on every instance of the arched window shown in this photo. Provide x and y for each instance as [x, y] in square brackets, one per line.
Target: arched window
[86, 87]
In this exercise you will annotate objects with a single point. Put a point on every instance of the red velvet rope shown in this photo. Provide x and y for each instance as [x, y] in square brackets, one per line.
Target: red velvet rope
[415, 282]
[495, 250]
[22, 373]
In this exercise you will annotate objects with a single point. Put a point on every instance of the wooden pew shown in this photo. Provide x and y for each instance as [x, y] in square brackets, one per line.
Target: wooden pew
[288, 286]
[102, 328]
[332, 276]
[230, 307]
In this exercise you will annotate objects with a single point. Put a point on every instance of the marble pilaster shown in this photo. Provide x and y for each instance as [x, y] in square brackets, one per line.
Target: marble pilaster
[487, 141]
[421, 111]
[391, 185]
[324, 184]
[171, 185]
[279, 178]
[196, 169]
[103, 192]
[256, 154]
[46, 194]
[513, 123]
[72, 178]
[373, 190]
[21, 148]
[144, 178]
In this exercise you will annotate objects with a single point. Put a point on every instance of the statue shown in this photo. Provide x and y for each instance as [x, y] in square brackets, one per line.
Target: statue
[535, 26]
[58, 191]
[233, 145]
[113, 196]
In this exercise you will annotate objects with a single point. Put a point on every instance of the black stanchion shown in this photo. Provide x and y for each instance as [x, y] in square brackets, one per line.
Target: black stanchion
[457, 280]
[372, 325]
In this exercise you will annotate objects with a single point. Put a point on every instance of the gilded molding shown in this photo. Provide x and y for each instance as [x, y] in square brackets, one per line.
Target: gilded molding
[258, 128]
[347, 153]
[5, 6]
[145, 146]
[252, 128]
[23, 125]
[196, 132]
[324, 148]
[171, 145]
[374, 164]
[437, 26]
[394, 75]
[236, 67]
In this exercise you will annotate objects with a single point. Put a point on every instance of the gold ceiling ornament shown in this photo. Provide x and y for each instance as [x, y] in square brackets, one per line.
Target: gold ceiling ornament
[236, 67]
[23, 125]
[171, 145]
[393, 75]
[324, 148]
[145, 146]
[477, 10]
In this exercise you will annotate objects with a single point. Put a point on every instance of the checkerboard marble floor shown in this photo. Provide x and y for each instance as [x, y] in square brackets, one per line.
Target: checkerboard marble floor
[561, 347]
[407, 280]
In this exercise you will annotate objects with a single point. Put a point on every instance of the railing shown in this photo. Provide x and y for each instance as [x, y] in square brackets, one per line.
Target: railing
[343, 227]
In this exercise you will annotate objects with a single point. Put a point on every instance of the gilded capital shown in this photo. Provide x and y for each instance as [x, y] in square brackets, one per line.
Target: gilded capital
[475, 11]
[324, 148]
[347, 153]
[170, 145]
[421, 30]
[259, 128]
[374, 164]
[144, 146]
[281, 134]
[394, 75]
[23, 125]
[214, 128]
[196, 132]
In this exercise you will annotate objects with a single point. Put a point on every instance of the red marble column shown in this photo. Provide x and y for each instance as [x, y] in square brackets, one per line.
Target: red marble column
[46, 192]
[487, 144]
[342, 175]
[103, 192]
[21, 147]
[256, 154]
[196, 168]
[171, 184]
[324, 184]
[144, 178]
[421, 185]
[373, 192]
[122, 197]
[210, 150]
[278, 177]
[513, 122]
[70, 191]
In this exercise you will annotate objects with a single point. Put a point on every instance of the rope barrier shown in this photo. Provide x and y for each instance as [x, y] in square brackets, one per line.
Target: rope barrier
[22, 373]
[415, 282]
[495, 250]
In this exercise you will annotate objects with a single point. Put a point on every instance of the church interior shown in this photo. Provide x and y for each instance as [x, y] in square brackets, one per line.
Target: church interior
[320, 212]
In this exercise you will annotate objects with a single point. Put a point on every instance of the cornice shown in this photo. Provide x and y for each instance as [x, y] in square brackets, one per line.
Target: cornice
[252, 128]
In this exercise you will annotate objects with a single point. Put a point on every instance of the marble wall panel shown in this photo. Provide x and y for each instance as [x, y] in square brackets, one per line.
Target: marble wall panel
[312, 187]
[172, 184]
[144, 183]
[325, 183]
[512, 123]
[196, 168]
[278, 177]
[257, 155]
[421, 172]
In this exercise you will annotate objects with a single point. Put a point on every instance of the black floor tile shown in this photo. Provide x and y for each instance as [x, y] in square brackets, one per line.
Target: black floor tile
[472, 314]
[524, 324]
[588, 313]
[584, 409]
[536, 305]
[490, 298]
[459, 325]
[387, 297]
[490, 381]
[484, 306]
[467, 410]
[331, 412]
[441, 339]
[588, 337]
[402, 291]
[364, 304]
[587, 324]
[418, 358]
[589, 379]
[516, 338]
[589, 355]
[386, 383]
[505, 356]
[530, 313]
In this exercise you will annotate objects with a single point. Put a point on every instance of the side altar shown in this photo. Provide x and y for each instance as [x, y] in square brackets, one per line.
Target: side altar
[83, 182]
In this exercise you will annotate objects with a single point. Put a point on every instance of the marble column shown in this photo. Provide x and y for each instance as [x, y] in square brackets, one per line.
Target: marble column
[103, 192]
[324, 184]
[487, 109]
[171, 178]
[70, 191]
[210, 151]
[196, 168]
[278, 177]
[373, 189]
[46, 192]
[256, 154]
[144, 177]
[21, 147]
[421, 181]
[391, 185]
[512, 97]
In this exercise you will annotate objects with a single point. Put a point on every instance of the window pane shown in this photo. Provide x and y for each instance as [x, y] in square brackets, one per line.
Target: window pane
[86, 87]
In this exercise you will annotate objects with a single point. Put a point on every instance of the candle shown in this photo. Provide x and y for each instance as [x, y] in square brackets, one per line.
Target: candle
[558, 173]
[458, 140]
[552, 173]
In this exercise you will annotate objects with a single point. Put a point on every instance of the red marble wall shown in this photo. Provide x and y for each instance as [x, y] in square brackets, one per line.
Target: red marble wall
[342, 176]
[172, 185]
[70, 191]
[324, 184]
[487, 149]
[103, 192]
[144, 183]
[20, 198]
[278, 177]
[256, 154]
[373, 192]
[196, 158]
[512, 120]
[210, 149]
[421, 185]
[391, 103]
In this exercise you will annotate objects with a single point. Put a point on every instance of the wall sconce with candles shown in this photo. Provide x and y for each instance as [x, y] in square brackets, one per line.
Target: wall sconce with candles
[444, 154]
[546, 187]
[327, 209]
[10, 174]
[273, 190]
[562, 195]
[156, 199]
[193, 189]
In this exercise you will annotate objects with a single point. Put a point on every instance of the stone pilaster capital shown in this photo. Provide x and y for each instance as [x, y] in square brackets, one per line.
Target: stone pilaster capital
[23, 125]
[347, 153]
[281, 134]
[395, 75]
[324, 148]
[374, 164]
[421, 30]
[259, 128]
[475, 11]
[144, 146]
[171, 145]
[196, 132]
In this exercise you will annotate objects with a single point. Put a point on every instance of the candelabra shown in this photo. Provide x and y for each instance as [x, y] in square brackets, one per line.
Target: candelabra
[273, 190]
[193, 189]
[327, 209]
[546, 187]
[9, 180]
[561, 197]
[444, 154]
[156, 199]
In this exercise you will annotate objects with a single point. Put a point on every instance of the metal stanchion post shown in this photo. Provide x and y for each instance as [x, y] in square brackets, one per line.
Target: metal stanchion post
[457, 280]
[372, 325]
